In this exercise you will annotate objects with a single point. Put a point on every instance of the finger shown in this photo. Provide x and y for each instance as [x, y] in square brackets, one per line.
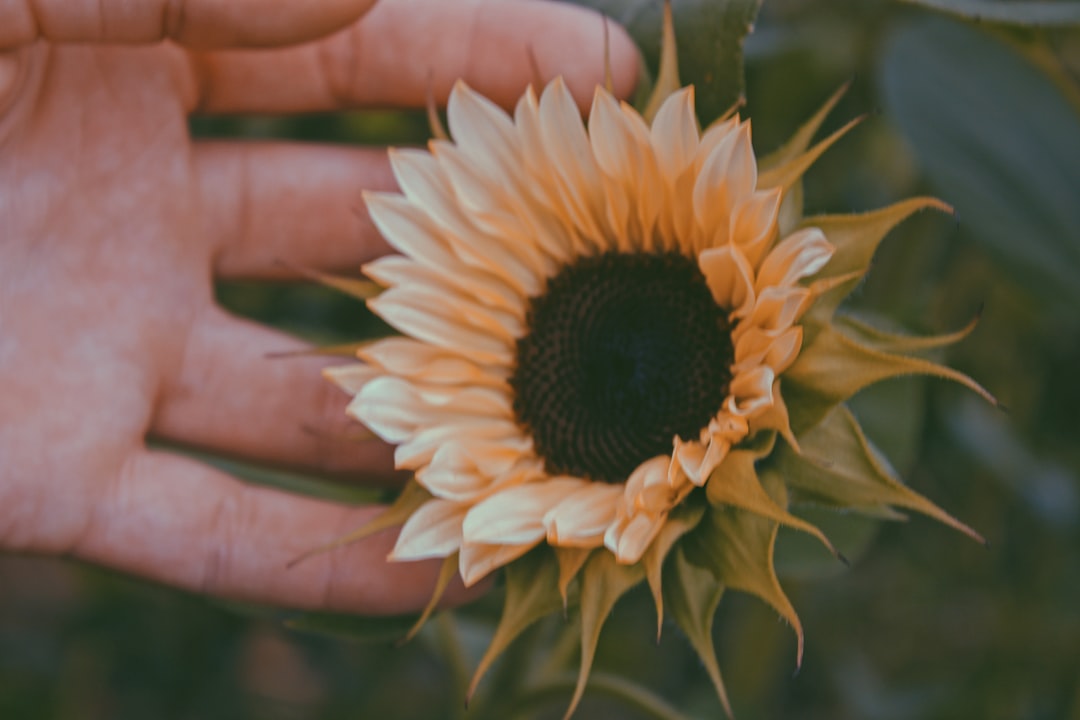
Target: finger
[229, 397]
[171, 519]
[270, 205]
[403, 47]
[197, 23]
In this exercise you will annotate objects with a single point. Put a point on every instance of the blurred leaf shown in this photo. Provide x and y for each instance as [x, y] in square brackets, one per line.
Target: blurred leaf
[1000, 141]
[390, 629]
[1030, 13]
[800, 556]
[710, 37]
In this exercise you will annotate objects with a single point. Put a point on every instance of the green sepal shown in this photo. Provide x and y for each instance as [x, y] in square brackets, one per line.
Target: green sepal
[785, 175]
[856, 238]
[447, 572]
[348, 350]
[899, 343]
[797, 143]
[839, 467]
[835, 366]
[570, 560]
[682, 520]
[357, 288]
[737, 546]
[791, 206]
[412, 496]
[531, 594]
[735, 483]
[603, 581]
[693, 594]
[667, 76]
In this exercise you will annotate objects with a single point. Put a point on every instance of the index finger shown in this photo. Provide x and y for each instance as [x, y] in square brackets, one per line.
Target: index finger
[195, 23]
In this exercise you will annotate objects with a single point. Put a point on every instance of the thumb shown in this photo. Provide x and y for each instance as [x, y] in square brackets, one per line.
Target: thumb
[195, 23]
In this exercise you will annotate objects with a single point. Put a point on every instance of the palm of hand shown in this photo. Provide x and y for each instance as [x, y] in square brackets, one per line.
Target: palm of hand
[114, 224]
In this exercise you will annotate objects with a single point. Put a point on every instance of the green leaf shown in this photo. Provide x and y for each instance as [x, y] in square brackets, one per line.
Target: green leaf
[998, 137]
[603, 582]
[1031, 13]
[710, 36]
[532, 593]
[839, 467]
[693, 594]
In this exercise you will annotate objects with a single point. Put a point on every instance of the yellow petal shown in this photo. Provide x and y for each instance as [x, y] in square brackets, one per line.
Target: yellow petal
[516, 515]
[432, 531]
[801, 254]
[583, 517]
[730, 279]
[675, 134]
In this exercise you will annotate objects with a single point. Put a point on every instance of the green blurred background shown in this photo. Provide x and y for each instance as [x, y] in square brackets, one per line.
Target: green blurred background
[925, 624]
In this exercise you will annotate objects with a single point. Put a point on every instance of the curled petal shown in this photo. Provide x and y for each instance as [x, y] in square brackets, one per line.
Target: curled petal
[730, 278]
[631, 536]
[751, 392]
[754, 224]
[799, 255]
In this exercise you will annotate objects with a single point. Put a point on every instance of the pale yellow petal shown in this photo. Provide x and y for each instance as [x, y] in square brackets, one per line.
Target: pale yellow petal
[675, 134]
[432, 531]
[730, 279]
[419, 450]
[565, 148]
[484, 132]
[425, 363]
[629, 540]
[642, 486]
[801, 254]
[750, 392]
[476, 560]
[423, 317]
[468, 282]
[516, 515]
[583, 517]
[351, 378]
[753, 224]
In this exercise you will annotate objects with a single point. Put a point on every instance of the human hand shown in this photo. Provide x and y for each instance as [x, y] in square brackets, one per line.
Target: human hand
[114, 224]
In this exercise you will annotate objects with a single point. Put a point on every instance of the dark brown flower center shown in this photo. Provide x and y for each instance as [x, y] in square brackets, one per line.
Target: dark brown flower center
[622, 353]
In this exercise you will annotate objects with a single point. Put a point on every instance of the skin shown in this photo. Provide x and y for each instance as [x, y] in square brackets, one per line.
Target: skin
[114, 224]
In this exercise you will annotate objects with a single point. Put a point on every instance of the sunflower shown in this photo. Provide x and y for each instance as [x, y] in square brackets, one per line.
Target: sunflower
[619, 346]
[592, 319]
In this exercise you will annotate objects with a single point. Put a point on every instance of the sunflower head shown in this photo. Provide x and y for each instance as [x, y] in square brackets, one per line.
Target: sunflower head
[619, 356]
